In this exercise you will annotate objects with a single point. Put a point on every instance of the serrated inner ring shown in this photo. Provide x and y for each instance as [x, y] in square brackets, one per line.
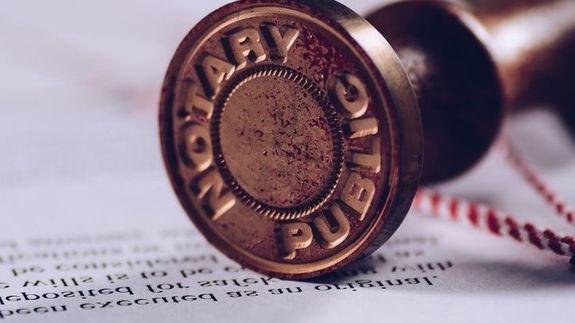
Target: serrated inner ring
[336, 134]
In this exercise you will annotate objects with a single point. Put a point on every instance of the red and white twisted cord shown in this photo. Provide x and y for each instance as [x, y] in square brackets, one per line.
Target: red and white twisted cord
[494, 221]
[532, 177]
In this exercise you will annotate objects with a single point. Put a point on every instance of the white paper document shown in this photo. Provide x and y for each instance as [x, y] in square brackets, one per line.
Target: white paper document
[90, 230]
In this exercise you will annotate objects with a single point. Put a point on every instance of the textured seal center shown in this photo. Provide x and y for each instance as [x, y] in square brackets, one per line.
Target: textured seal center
[277, 140]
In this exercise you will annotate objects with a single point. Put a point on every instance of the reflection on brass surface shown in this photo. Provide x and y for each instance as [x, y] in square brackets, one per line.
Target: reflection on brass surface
[534, 44]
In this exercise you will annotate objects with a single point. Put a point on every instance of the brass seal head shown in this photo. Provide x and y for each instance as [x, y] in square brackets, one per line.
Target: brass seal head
[291, 134]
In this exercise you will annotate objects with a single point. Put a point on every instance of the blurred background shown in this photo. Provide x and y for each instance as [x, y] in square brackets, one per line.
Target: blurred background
[79, 150]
